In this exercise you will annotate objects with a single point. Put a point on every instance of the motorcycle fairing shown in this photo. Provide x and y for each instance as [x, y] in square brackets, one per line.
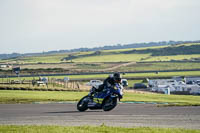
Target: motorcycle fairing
[98, 100]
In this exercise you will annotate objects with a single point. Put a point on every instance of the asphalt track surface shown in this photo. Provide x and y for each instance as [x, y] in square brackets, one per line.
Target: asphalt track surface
[124, 115]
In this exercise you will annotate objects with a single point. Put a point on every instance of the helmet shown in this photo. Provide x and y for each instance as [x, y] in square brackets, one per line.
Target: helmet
[117, 77]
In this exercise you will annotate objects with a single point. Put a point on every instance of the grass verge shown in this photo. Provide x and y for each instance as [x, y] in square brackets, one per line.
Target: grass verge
[172, 100]
[17, 96]
[103, 76]
[89, 129]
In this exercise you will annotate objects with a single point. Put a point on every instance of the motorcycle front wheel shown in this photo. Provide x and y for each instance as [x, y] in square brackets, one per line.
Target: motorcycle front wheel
[109, 104]
[83, 104]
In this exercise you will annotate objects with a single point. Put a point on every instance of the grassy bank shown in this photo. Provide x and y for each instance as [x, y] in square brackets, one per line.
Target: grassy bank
[155, 53]
[158, 66]
[89, 129]
[17, 96]
[127, 75]
[186, 100]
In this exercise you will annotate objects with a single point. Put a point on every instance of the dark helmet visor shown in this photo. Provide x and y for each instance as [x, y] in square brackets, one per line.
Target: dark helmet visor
[118, 80]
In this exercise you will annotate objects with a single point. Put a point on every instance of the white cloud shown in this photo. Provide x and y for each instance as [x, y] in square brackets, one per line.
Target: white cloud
[66, 24]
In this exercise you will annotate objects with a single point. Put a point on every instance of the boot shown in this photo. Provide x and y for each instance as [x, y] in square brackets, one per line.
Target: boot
[92, 91]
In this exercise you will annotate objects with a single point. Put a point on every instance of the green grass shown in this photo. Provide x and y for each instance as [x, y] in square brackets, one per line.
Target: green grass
[140, 75]
[56, 87]
[113, 58]
[174, 57]
[50, 87]
[12, 96]
[148, 66]
[43, 59]
[132, 82]
[144, 66]
[108, 56]
[55, 58]
[116, 56]
[89, 66]
[89, 129]
[15, 96]
[187, 100]
[163, 74]
[127, 75]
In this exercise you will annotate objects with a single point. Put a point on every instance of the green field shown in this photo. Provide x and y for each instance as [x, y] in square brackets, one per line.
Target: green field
[101, 67]
[49, 87]
[187, 100]
[120, 55]
[173, 58]
[139, 66]
[135, 58]
[44, 59]
[113, 58]
[93, 66]
[17, 96]
[141, 59]
[37, 59]
[103, 76]
[158, 66]
[13, 96]
[89, 129]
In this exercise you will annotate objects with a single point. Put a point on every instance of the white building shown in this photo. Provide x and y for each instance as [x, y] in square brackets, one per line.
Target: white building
[161, 85]
[193, 89]
[157, 82]
[192, 80]
[3, 66]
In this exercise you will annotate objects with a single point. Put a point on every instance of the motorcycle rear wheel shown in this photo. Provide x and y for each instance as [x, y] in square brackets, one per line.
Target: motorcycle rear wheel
[83, 104]
[109, 104]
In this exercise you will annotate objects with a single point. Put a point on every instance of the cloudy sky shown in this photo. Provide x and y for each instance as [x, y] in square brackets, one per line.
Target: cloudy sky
[43, 25]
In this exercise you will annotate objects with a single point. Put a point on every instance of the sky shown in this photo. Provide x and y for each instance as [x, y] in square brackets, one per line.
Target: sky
[28, 26]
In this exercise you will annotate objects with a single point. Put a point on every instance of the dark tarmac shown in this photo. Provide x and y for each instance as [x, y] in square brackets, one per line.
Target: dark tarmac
[124, 115]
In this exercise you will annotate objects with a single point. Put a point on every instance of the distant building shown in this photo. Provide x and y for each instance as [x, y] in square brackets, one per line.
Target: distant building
[191, 80]
[3, 66]
[161, 85]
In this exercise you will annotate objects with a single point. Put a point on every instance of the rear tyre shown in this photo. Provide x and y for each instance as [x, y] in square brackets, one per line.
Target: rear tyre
[109, 104]
[83, 104]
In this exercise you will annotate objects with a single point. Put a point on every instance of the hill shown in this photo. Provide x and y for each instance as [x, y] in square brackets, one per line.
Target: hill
[172, 52]
[179, 57]
[118, 46]
[178, 52]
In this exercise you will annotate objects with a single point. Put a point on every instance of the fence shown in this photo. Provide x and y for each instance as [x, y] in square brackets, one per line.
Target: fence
[51, 84]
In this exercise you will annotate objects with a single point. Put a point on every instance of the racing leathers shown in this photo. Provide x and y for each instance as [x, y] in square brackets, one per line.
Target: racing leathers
[108, 83]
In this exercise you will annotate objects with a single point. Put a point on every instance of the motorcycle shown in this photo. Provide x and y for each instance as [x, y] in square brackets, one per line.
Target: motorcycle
[105, 99]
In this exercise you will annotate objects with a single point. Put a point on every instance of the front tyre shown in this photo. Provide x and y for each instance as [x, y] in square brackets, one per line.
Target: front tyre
[109, 104]
[83, 104]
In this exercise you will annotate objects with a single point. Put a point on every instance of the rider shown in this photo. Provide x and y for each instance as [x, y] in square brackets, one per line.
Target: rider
[109, 82]
[112, 80]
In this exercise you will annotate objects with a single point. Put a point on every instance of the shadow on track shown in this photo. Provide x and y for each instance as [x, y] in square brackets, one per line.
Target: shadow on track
[72, 112]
